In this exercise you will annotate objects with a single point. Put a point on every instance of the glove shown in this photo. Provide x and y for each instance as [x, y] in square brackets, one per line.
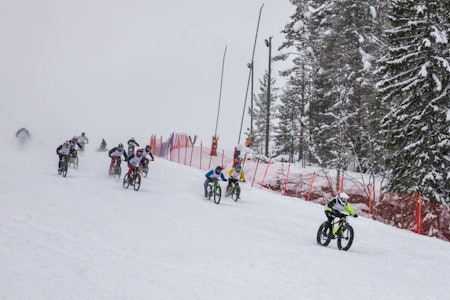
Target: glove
[207, 177]
[243, 180]
[153, 159]
[355, 216]
[224, 180]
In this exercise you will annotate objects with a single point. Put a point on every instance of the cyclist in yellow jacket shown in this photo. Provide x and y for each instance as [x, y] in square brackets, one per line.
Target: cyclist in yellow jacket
[234, 175]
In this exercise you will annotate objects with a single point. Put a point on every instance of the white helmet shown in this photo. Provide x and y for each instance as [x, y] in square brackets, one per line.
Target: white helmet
[343, 197]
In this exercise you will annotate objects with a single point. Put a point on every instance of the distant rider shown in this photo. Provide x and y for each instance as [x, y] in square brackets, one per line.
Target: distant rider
[103, 145]
[213, 175]
[234, 175]
[63, 151]
[337, 206]
[147, 156]
[116, 154]
[83, 140]
[131, 145]
[23, 134]
[73, 146]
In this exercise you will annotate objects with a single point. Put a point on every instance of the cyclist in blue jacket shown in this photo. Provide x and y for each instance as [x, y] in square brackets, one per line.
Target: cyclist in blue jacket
[213, 175]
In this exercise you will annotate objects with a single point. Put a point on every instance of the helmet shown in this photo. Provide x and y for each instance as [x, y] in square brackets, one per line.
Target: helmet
[148, 148]
[218, 169]
[238, 168]
[75, 138]
[120, 146]
[343, 197]
[66, 144]
[139, 153]
[132, 138]
[83, 133]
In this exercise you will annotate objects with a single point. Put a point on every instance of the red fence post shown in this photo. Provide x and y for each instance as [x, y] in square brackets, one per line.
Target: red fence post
[341, 184]
[310, 186]
[370, 199]
[254, 174]
[201, 154]
[265, 173]
[419, 213]
[286, 179]
[185, 151]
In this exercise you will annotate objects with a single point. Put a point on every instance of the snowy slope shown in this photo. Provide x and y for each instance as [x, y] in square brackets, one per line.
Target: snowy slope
[86, 237]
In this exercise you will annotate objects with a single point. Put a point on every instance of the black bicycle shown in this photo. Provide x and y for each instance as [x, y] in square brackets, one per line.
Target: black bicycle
[144, 170]
[116, 170]
[234, 191]
[338, 229]
[63, 166]
[73, 159]
[134, 180]
[214, 191]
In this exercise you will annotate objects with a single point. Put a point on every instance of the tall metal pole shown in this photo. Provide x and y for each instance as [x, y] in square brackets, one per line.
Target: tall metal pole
[250, 77]
[220, 91]
[268, 44]
[215, 138]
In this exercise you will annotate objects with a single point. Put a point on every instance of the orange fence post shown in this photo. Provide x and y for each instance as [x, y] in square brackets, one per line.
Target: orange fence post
[201, 154]
[265, 173]
[341, 184]
[310, 186]
[254, 174]
[192, 151]
[370, 199]
[185, 151]
[419, 213]
[287, 178]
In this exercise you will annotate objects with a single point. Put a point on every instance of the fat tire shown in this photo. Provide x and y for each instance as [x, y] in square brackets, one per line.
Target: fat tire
[137, 182]
[117, 172]
[209, 191]
[345, 238]
[126, 183]
[324, 234]
[64, 170]
[236, 194]
[217, 194]
[75, 163]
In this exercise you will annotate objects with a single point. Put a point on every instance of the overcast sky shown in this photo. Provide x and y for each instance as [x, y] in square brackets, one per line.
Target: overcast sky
[117, 69]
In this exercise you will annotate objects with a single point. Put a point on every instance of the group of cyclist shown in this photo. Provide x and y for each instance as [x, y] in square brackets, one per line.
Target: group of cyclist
[335, 208]
[235, 174]
[71, 147]
[140, 158]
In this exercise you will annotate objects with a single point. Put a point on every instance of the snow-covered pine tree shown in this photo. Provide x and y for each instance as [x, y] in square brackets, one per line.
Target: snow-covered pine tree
[416, 85]
[260, 112]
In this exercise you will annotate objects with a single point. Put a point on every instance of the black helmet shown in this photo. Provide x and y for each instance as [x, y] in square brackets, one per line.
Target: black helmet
[148, 148]
[218, 169]
[120, 146]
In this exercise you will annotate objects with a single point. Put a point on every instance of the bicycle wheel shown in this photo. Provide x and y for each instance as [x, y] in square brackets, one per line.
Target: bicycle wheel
[345, 238]
[217, 194]
[209, 190]
[75, 162]
[126, 181]
[137, 182]
[236, 193]
[117, 171]
[145, 171]
[324, 234]
[64, 170]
